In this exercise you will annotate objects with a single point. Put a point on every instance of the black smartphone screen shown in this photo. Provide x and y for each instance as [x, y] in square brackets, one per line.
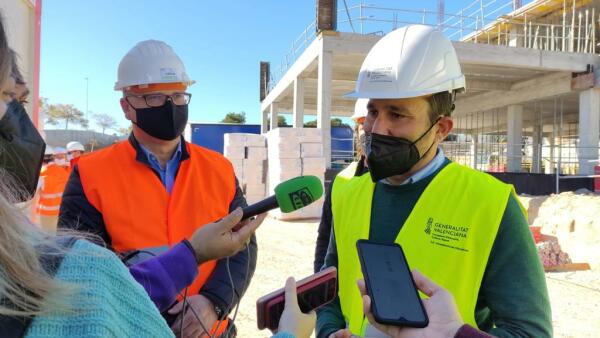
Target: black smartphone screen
[394, 297]
[308, 300]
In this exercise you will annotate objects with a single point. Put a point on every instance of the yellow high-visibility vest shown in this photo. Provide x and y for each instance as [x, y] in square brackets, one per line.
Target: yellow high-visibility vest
[448, 235]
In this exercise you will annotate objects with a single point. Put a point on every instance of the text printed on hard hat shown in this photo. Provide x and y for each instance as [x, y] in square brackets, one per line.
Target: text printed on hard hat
[168, 74]
[383, 74]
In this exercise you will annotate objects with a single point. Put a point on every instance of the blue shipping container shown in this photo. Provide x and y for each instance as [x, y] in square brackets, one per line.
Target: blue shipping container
[210, 135]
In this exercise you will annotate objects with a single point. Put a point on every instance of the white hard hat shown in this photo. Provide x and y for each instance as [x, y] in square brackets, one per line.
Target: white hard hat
[60, 150]
[74, 146]
[411, 61]
[149, 62]
[49, 150]
[360, 109]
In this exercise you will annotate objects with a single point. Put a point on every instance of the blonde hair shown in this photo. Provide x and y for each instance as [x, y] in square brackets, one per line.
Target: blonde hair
[5, 56]
[25, 287]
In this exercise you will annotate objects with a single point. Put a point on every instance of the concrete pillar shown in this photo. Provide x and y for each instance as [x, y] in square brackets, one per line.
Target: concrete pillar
[515, 137]
[589, 125]
[273, 108]
[298, 110]
[537, 150]
[552, 166]
[264, 125]
[324, 102]
[474, 142]
[515, 37]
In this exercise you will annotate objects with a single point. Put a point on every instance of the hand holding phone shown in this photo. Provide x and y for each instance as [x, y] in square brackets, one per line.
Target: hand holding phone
[312, 293]
[444, 318]
[390, 285]
[293, 320]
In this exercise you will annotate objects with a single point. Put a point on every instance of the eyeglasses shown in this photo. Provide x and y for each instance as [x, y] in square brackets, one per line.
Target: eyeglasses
[157, 100]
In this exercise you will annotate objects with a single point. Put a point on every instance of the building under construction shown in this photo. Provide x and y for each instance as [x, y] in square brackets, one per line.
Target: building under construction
[531, 105]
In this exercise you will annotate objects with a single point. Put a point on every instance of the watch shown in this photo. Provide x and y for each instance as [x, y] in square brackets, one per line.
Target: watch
[220, 313]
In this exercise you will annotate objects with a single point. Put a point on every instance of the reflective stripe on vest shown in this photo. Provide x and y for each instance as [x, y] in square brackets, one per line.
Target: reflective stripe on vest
[58, 194]
[448, 235]
[137, 210]
[55, 179]
[53, 208]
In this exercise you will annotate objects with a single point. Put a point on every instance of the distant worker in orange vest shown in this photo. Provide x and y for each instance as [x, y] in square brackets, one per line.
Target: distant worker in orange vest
[53, 179]
[147, 194]
[74, 150]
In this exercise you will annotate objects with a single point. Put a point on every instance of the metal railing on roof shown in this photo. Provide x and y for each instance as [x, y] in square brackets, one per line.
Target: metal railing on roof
[482, 21]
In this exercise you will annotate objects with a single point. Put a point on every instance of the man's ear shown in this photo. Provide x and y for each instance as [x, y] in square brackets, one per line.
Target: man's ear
[445, 126]
[128, 110]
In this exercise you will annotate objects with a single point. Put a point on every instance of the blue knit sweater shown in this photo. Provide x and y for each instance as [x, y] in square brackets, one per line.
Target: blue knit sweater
[107, 303]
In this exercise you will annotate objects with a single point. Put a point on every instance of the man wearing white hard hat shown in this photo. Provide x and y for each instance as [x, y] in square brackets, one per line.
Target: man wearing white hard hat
[74, 150]
[362, 127]
[360, 113]
[462, 228]
[153, 191]
[52, 182]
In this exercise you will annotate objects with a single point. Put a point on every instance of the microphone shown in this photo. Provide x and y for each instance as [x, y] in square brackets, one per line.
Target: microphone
[290, 195]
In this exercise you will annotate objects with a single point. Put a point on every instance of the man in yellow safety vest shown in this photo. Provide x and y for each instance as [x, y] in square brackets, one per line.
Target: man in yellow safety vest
[462, 228]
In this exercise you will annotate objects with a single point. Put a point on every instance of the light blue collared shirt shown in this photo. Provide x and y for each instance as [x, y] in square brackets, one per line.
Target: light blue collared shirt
[167, 175]
[427, 170]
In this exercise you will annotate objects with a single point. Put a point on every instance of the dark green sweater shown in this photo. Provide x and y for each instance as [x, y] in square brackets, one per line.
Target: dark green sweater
[513, 298]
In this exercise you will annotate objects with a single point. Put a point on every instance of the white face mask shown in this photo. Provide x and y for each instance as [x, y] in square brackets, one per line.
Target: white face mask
[60, 161]
[69, 157]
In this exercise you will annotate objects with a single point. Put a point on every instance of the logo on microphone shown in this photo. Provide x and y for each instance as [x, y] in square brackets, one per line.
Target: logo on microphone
[301, 198]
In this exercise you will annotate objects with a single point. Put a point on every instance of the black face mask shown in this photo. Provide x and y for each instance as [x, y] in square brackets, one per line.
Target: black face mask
[21, 152]
[391, 156]
[166, 122]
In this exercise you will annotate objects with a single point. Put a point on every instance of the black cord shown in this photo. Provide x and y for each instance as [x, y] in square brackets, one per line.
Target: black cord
[193, 312]
[181, 321]
[233, 294]
[246, 282]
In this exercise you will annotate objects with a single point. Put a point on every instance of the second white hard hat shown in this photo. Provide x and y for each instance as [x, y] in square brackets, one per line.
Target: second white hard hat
[360, 109]
[150, 62]
[49, 150]
[60, 150]
[411, 61]
[74, 146]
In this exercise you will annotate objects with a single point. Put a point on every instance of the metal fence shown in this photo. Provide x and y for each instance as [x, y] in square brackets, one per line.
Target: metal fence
[493, 156]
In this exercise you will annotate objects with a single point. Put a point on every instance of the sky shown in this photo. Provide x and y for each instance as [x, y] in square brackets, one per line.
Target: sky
[220, 42]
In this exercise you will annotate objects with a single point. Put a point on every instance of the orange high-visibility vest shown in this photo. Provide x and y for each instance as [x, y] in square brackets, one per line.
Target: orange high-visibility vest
[55, 179]
[138, 211]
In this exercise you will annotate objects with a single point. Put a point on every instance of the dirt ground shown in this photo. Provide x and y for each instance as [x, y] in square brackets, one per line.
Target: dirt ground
[287, 249]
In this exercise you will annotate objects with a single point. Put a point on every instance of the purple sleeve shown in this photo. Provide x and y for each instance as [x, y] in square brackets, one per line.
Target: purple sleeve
[467, 331]
[164, 276]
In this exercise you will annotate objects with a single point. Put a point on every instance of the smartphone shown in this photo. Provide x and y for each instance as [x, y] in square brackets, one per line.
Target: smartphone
[394, 296]
[313, 292]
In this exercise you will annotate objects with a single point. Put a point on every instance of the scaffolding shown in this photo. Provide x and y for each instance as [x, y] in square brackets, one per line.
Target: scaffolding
[553, 25]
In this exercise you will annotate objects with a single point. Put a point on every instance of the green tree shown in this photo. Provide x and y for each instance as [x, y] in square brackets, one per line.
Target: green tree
[335, 122]
[105, 121]
[281, 121]
[233, 117]
[125, 131]
[67, 113]
[311, 124]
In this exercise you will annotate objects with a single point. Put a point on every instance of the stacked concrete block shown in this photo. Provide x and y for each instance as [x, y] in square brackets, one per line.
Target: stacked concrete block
[248, 154]
[295, 152]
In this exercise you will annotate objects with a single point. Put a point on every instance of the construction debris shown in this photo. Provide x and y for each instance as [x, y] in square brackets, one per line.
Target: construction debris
[572, 219]
[551, 254]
